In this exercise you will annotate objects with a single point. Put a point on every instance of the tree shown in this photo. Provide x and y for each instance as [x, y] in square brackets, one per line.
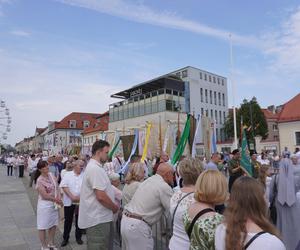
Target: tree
[254, 121]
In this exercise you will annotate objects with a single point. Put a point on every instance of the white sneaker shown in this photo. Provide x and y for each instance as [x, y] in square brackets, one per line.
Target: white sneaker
[52, 247]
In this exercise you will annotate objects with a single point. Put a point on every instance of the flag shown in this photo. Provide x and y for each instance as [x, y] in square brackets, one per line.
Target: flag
[145, 150]
[197, 136]
[116, 144]
[213, 138]
[245, 158]
[182, 143]
[166, 139]
[134, 146]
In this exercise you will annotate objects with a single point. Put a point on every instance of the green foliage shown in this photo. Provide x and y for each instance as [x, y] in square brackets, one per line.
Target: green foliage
[258, 126]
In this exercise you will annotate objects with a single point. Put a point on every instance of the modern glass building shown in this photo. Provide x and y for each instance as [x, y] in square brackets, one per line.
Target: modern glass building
[158, 95]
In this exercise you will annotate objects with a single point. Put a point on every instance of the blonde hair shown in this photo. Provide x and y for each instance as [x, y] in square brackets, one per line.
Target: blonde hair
[135, 173]
[190, 169]
[263, 173]
[211, 187]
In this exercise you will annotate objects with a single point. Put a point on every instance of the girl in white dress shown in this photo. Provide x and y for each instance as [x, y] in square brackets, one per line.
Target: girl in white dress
[47, 207]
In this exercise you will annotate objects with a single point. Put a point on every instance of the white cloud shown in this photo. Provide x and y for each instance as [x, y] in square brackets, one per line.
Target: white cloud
[283, 45]
[143, 14]
[2, 3]
[20, 33]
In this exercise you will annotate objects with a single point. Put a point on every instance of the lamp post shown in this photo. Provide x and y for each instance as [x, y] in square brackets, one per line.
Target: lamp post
[252, 127]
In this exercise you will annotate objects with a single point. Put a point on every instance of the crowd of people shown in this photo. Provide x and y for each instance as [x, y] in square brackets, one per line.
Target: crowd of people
[210, 203]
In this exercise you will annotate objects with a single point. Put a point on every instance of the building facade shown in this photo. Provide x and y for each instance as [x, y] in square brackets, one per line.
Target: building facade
[165, 101]
[97, 130]
[289, 124]
[65, 136]
[206, 95]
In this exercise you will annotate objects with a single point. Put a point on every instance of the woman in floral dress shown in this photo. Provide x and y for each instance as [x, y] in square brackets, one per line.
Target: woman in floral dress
[210, 190]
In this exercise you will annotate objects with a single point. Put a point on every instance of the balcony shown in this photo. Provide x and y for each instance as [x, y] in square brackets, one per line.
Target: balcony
[156, 101]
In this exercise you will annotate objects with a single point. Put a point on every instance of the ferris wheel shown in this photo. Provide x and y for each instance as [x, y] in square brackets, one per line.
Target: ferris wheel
[5, 121]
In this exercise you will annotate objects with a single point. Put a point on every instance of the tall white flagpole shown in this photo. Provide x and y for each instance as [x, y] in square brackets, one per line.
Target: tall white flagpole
[233, 96]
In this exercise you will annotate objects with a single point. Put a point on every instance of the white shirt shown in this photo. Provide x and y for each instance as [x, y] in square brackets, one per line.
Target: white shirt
[180, 240]
[20, 161]
[32, 165]
[263, 161]
[72, 181]
[265, 241]
[11, 160]
[151, 199]
[91, 211]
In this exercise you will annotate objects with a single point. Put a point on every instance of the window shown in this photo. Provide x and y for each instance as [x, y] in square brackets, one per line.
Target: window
[209, 78]
[205, 77]
[275, 137]
[222, 82]
[178, 74]
[223, 99]
[210, 96]
[202, 111]
[211, 114]
[201, 95]
[218, 80]
[214, 79]
[206, 97]
[297, 135]
[215, 97]
[275, 127]
[216, 116]
[219, 98]
[184, 73]
[220, 117]
[86, 124]
[206, 113]
[224, 116]
[72, 123]
[200, 75]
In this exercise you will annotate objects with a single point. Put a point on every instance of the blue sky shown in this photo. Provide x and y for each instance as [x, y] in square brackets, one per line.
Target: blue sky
[59, 56]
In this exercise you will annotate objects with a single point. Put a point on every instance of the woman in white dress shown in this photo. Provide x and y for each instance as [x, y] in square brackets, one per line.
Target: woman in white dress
[246, 224]
[189, 169]
[47, 207]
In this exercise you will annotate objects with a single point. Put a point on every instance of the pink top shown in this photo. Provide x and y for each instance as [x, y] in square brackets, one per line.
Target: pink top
[49, 184]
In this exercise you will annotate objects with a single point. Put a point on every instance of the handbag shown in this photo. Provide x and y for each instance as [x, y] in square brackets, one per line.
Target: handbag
[273, 211]
[56, 206]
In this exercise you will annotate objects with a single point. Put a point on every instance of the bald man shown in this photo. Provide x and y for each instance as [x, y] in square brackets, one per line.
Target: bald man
[151, 199]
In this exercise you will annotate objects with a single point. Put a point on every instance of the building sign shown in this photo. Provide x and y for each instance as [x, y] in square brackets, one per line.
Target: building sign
[136, 92]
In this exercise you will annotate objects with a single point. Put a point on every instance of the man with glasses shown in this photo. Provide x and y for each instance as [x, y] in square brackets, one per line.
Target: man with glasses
[71, 185]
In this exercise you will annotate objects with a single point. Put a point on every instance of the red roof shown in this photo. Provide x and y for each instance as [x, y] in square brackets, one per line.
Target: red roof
[75, 116]
[100, 123]
[270, 115]
[290, 110]
[40, 130]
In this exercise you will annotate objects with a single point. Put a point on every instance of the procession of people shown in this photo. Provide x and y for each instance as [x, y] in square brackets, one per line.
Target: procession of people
[206, 209]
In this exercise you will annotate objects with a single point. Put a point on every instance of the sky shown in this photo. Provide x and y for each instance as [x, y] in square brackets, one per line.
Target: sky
[61, 56]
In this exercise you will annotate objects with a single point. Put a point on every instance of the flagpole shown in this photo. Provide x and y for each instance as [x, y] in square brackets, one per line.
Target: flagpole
[233, 96]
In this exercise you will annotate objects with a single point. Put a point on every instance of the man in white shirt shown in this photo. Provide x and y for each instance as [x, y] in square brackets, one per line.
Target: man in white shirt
[10, 163]
[151, 199]
[32, 167]
[71, 185]
[97, 205]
